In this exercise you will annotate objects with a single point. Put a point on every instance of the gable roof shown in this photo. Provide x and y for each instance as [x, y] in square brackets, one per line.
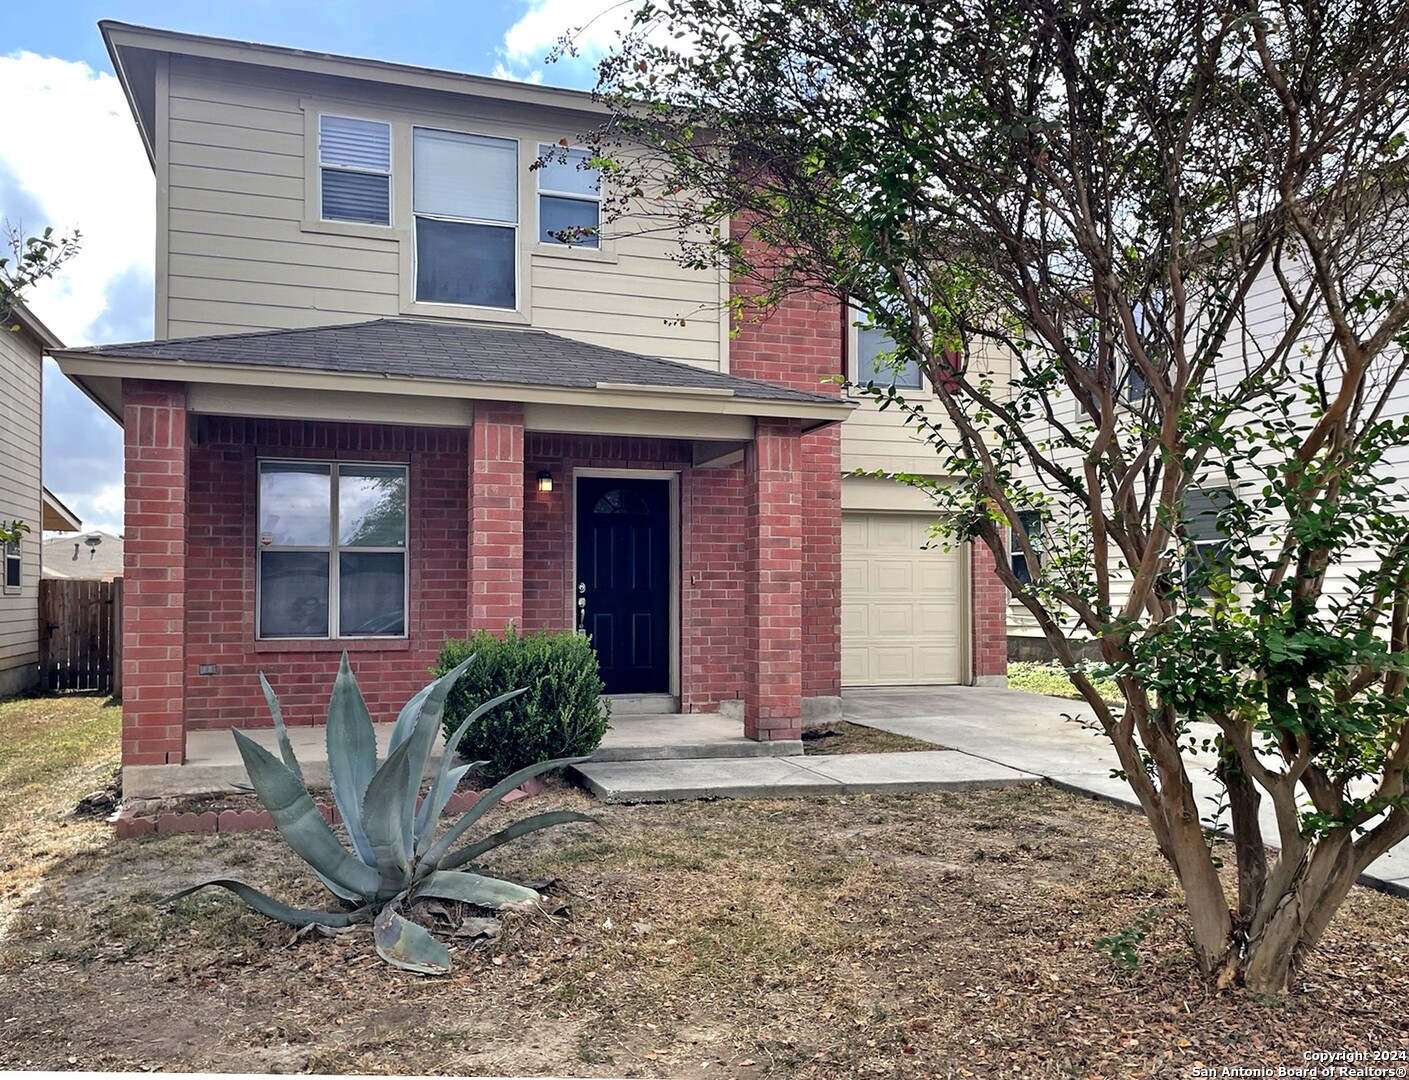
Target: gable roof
[454, 352]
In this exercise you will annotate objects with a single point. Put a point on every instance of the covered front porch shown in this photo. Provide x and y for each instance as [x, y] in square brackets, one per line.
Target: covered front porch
[684, 520]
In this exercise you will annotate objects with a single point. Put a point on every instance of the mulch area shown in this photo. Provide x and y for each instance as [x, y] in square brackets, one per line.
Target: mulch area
[898, 936]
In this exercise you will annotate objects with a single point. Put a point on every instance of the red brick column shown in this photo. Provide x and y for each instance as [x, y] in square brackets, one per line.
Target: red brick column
[496, 483]
[989, 607]
[773, 571]
[154, 574]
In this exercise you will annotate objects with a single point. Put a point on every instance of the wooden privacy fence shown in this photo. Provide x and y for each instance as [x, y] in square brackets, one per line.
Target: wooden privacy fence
[80, 635]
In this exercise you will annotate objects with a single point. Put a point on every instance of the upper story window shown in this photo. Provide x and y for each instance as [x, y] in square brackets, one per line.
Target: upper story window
[874, 351]
[332, 550]
[14, 566]
[1207, 558]
[354, 170]
[569, 198]
[465, 197]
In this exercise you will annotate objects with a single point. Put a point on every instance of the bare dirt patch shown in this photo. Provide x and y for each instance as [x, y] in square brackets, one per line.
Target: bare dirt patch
[936, 935]
[844, 737]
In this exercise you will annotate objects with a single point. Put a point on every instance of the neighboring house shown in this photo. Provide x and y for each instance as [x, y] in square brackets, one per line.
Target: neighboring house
[387, 405]
[23, 497]
[92, 556]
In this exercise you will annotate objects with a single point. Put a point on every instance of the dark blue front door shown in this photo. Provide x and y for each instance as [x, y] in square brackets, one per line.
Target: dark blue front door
[623, 573]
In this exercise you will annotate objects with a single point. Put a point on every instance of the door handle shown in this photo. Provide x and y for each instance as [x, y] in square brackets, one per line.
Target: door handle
[582, 607]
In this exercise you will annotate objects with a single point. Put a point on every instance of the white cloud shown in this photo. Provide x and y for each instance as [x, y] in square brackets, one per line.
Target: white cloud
[593, 23]
[72, 152]
[501, 72]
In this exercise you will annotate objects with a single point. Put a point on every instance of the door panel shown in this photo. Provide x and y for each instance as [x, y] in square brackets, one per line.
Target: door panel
[623, 559]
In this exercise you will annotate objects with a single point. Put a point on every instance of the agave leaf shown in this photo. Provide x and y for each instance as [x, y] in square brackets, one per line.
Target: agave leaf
[427, 725]
[485, 892]
[286, 749]
[300, 823]
[406, 718]
[442, 787]
[487, 802]
[434, 802]
[386, 821]
[403, 944]
[352, 755]
[512, 832]
[275, 909]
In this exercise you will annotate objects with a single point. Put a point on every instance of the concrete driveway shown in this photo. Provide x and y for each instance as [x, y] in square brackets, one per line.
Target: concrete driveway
[1045, 736]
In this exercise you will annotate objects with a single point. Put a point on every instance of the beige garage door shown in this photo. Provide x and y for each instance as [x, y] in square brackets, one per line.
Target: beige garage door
[902, 610]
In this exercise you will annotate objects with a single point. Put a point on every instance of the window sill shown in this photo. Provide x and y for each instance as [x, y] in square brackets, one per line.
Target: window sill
[349, 228]
[465, 312]
[603, 254]
[331, 645]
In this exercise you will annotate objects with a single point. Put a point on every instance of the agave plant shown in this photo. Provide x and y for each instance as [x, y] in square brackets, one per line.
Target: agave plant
[396, 857]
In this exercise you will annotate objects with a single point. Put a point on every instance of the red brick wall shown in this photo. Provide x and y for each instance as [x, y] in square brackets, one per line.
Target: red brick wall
[773, 563]
[496, 484]
[989, 615]
[154, 573]
[800, 343]
[223, 535]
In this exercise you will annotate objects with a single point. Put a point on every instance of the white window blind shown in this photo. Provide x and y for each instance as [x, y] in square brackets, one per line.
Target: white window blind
[469, 177]
[355, 169]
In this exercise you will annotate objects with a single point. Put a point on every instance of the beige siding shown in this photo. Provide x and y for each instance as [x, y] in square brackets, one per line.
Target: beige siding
[244, 250]
[20, 500]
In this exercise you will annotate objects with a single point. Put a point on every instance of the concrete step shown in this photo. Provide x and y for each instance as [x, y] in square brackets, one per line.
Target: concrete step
[791, 777]
[666, 735]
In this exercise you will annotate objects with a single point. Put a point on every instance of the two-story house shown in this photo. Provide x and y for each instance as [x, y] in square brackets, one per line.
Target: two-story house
[23, 339]
[388, 404]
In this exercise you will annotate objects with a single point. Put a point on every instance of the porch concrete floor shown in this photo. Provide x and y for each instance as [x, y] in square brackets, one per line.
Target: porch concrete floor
[213, 763]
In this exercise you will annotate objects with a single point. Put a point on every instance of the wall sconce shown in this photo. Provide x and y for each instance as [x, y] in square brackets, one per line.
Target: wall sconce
[545, 480]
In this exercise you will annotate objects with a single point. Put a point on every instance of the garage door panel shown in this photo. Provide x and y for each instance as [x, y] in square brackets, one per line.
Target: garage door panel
[902, 610]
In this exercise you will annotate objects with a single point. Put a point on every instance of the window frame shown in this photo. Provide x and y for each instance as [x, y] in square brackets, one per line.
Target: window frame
[853, 359]
[13, 553]
[333, 549]
[390, 172]
[595, 244]
[1032, 523]
[516, 227]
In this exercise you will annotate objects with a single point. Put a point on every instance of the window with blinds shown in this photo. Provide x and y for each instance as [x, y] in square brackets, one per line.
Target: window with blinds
[465, 198]
[569, 198]
[354, 165]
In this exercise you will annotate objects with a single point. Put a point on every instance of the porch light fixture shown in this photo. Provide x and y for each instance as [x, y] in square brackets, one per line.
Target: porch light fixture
[545, 480]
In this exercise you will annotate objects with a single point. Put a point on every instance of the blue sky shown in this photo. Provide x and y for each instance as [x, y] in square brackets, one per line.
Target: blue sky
[71, 129]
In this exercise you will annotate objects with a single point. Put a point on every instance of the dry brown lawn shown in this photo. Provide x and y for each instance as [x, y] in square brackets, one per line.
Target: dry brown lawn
[898, 936]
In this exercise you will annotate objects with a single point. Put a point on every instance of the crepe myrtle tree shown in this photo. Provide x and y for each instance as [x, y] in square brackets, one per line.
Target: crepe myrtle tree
[1152, 258]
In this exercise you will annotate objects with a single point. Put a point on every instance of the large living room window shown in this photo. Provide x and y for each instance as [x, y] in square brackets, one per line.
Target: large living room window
[354, 170]
[465, 195]
[332, 550]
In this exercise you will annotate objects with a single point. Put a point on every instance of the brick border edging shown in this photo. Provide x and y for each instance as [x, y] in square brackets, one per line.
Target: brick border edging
[128, 824]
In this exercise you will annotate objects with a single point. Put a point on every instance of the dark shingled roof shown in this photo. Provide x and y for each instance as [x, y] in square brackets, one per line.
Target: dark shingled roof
[463, 352]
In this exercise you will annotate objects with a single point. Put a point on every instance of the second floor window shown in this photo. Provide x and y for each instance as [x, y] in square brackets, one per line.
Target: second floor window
[1031, 522]
[354, 170]
[332, 550]
[569, 198]
[874, 348]
[465, 197]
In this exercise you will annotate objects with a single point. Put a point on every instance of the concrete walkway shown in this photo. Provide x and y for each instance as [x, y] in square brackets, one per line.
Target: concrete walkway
[993, 737]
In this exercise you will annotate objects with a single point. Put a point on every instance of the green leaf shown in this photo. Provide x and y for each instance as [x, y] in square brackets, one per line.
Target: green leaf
[434, 803]
[422, 739]
[512, 832]
[406, 719]
[275, 909]
[488, 801]
[386, 821]
[286, 749]
[300, 823]
[401, 943]
[352, 755]
[486, 892]
[441, 788]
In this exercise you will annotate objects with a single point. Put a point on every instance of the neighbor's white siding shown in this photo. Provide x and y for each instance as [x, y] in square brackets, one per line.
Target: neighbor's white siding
[237, 222]
[21, 499]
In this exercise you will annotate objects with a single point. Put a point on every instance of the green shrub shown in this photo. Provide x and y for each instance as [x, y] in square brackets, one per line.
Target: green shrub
[558, 715]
